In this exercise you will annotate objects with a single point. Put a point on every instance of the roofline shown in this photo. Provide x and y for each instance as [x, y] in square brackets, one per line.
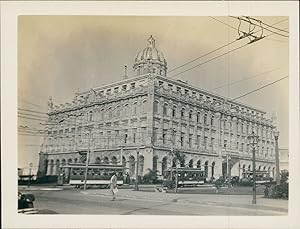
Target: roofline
[209, 93]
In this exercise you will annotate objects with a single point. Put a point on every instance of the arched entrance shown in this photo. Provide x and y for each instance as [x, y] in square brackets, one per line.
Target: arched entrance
[213, 169]
[164, 164]
[131, 165]
[191, 163]
[206, 168]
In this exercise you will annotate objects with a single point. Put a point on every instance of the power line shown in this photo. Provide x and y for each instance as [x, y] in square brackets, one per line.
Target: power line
[32, 115]
[33, 111]
[193, 60]
[239, 81]
[271, 26]
[209, 60]
[239, 18]
[259, 88]
[255, 31]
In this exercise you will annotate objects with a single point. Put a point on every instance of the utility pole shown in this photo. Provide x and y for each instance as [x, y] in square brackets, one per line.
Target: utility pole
[276, 135]
[29, 179]
[87, 158]
[253, 141]
[136, 187]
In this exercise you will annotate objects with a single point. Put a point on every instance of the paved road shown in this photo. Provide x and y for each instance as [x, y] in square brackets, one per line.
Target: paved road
[151, 203]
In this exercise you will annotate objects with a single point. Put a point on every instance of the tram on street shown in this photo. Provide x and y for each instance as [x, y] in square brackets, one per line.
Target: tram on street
[186, 176]
[262, 177]
[98, 174]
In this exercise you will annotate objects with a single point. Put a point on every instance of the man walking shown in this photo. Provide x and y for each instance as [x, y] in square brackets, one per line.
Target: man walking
[113, 185]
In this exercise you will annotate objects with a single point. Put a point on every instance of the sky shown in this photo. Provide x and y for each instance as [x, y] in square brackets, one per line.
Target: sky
[60, 55]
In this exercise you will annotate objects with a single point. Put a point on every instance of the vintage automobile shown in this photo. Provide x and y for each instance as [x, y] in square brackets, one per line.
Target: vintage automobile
[25, 203]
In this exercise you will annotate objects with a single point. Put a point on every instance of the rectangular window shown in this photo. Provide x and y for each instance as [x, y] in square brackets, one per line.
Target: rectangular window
[132, 85]
[190, 140]
[205, 142]
[164, 137]
[134, 135]
[143, 133]
[178, 89]
[160, 83]
[125, 137]
[124, 87]
[186, 91]
[212, 143]
[198, 141]
[182, 139]
[108, 91]
[225, 144]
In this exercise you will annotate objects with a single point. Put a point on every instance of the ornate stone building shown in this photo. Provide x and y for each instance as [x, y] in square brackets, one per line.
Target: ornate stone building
[156, 114]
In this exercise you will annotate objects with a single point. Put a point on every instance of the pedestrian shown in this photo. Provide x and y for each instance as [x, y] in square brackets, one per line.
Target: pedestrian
[113, 185]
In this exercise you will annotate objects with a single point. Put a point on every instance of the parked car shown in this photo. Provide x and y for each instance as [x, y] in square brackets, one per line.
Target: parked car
[25, 203]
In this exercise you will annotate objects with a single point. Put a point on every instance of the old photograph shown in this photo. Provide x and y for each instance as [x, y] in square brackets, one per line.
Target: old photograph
[149, 115]
[162, 115]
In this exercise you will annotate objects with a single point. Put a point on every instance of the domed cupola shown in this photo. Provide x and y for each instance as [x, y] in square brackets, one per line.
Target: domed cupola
[150, 60]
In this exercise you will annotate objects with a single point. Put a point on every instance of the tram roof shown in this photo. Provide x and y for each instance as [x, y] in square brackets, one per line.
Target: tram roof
[94, 166]
[186, 169]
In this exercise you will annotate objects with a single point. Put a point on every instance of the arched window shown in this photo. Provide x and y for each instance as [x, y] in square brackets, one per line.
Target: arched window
[131, 165]
[156, 107]
[174, 111]
[191, 162]
[125, 111]
[98, 160]
[109, 112]
[106, 160]
[164, 165]
[165, 109]
[198, 117]
[205, 119]
[206, 168]
[190, 115]
[212, 121]
[213, 169]
[198, 164]
[182, 112]
[91, 116]
[117, 111]
[114, 160]
[144, 106]
[134, 108]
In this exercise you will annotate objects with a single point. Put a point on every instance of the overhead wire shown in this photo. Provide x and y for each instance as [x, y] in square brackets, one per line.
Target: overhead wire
[242, 80]
[248, 93]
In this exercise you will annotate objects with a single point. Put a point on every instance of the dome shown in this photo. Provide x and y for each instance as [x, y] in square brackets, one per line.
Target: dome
[150, 60]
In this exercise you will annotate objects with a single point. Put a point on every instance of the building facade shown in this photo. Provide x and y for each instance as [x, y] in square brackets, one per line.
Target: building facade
[156, 115]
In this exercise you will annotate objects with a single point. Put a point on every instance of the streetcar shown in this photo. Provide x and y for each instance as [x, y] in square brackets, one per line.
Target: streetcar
[98, 174]
[262, 177]
[186, 176]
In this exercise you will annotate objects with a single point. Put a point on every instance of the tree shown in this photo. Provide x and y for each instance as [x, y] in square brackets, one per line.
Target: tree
[151, 176]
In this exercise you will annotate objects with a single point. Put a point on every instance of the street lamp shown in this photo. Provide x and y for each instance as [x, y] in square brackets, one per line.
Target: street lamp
[276, 135]
[253, 138]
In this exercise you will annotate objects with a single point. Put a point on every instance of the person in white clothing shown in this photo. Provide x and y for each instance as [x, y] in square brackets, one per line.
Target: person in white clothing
[113, 185]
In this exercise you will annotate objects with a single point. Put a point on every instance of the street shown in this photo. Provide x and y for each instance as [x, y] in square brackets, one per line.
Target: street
[129, 202]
